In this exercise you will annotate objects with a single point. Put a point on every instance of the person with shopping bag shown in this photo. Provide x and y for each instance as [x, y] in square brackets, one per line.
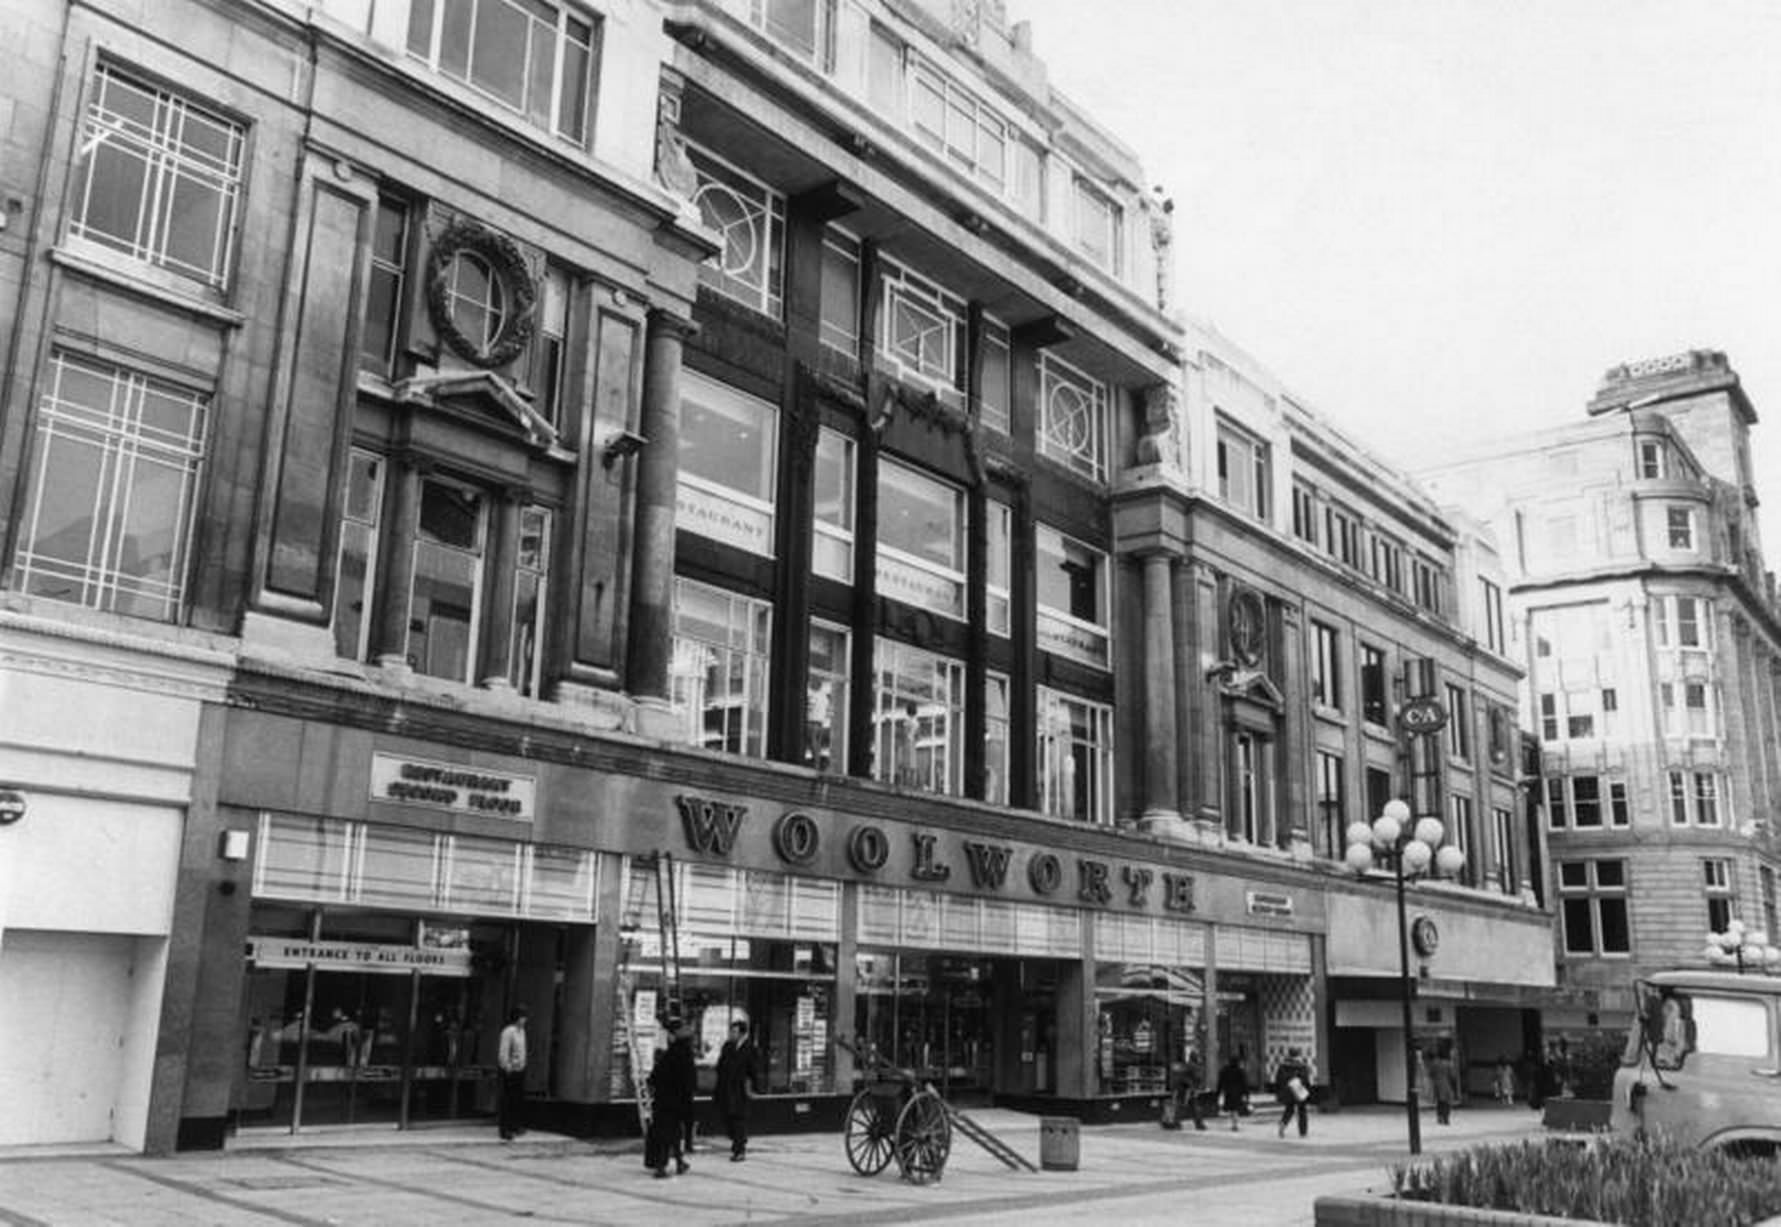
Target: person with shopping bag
[1292, 1087]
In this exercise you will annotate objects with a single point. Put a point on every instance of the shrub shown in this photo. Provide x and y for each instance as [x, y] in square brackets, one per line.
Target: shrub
[1639, 1182]
[1593, 1062]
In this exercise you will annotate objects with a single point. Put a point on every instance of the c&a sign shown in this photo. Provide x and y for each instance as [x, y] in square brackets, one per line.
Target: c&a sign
[942, 858]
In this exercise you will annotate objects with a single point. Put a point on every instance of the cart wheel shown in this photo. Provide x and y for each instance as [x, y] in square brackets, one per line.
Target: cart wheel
[923, 1138]
[868, 1134]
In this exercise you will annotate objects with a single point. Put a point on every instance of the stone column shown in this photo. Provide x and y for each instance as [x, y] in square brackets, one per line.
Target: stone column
[1162, 802]
[397, 573]
[650, 627]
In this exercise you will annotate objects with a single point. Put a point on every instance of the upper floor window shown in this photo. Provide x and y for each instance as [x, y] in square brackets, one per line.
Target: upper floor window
[804, 27]
[921, 540]
[750, 217]
[357, 566]
[113, 489]
[1072, 426]
[1251, 816]
[923, 330]
[885, 55]
[1680, 526]
[531, 605]
[919, 718]
[1716, 877]
[550, 346]
[1459, 723]
[1694, 716]
[1071, 582]
[832, 491]
[1496, 636]
[720, 669]
[389, 276]
[1244, 472]
[1341, 536]
[1651, 458]
[1388, 563]
[158, 178]
[1097, 227]
[1682, 622]
[534, 58]
[1425, 578]
[445, 599]
[1502, 849]
[999, 566]
[1332, 804]
[826, 698]
[1075, 758]
[1593, 907]
[839, 327]
[1304, 515]
[955, 124]
[729, 448]
[1771, 916]
[996, 378]
[1694, 796]
[1326, 666]
[1373, 685]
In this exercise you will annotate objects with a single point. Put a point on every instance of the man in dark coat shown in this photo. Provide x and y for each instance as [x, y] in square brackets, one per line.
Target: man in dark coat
[736, 1071]
[674, 1079]
[1292, 1087]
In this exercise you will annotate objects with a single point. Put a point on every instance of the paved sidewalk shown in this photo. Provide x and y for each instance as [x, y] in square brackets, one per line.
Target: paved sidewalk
[1134, 1172]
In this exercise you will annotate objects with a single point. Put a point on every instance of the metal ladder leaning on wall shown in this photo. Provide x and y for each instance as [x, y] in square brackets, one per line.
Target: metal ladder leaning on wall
[650, 873]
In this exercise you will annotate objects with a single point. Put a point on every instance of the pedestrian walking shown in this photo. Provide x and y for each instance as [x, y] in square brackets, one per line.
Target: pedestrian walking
[1233, 1089]
[1443, 1084]
[1292, 1087]
[673, 1080]
[736, 1072]
[510, 1059]
[1193, 1082]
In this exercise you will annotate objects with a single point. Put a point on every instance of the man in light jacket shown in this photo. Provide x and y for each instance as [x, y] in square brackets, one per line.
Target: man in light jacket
[510, 1059]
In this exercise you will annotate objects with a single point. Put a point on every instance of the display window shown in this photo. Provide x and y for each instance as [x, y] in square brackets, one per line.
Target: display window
[1148, 1018]
[928, 1013]
[754, 946]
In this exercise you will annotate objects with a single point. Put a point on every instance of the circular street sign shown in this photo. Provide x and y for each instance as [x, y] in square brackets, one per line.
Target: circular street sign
[1422, 716]
[12, 806]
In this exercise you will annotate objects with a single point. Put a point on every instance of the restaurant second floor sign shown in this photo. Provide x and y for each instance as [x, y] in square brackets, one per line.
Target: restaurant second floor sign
[942, 860]
[453, 786]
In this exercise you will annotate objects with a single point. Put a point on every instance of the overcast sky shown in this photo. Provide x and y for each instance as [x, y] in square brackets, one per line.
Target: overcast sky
[1438, 220]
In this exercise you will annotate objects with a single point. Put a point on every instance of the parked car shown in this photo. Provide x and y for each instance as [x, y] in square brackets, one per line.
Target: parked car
[1703, 1061]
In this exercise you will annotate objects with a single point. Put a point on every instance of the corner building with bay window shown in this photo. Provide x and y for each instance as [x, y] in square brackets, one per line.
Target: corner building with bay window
[445, 462]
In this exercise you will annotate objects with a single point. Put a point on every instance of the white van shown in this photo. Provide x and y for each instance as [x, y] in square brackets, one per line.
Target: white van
[1703, 1061]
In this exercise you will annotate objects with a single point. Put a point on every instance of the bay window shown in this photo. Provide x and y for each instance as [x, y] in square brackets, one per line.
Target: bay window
[445, 596]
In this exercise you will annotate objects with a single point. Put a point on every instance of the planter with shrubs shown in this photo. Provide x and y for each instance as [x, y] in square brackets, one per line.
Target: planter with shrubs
[1637, 1182]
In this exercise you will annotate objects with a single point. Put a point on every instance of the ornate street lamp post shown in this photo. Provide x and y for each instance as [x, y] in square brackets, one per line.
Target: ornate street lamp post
[1390, 842]
[1741, 946]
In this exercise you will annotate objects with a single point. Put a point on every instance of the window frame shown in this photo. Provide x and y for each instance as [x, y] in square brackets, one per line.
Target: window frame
[1089, 738]
[427, 25]
[1596, 897]
[708, 506]
[747, 626]
[165, 163]
[1064, 632]
[1075, 435]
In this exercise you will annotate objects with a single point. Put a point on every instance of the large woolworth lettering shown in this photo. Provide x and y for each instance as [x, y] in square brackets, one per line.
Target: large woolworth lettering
[925, 869]
[796, 838]
[988, 863]
[1045, 873]
[711, 826]
[1093, 886]
[867, 848]
[1137, 881]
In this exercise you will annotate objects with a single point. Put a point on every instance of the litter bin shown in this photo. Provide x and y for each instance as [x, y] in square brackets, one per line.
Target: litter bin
[1060, 1143]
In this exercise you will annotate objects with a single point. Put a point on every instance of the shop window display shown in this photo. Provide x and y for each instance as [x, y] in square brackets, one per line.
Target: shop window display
[930, 1013]
[1148, 1018]
[784, 990]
